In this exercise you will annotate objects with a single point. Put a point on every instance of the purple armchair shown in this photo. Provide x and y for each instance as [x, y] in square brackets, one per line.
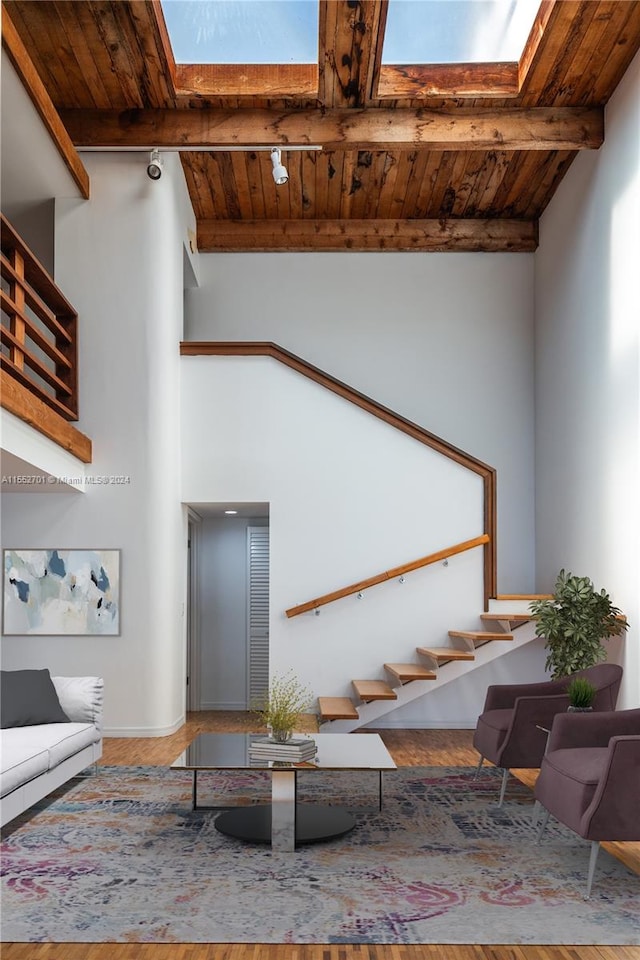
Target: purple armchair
[590, 777]
[513, 727]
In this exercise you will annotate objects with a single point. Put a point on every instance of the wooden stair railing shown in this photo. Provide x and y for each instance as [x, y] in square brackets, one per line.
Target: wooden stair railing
[39, 328]
[387, 575]
[487, 473]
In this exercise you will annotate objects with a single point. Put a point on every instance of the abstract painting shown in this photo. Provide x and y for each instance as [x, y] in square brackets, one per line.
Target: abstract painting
[61, 592]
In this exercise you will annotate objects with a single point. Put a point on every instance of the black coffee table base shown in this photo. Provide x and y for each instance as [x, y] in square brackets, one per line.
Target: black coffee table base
[283, 822]
[314, 822]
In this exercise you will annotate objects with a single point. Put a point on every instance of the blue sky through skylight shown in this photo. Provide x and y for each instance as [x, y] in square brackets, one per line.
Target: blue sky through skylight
[457, 31]
[242, 31]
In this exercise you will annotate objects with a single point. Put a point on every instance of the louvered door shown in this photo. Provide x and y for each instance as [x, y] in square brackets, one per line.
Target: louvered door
[258, 614]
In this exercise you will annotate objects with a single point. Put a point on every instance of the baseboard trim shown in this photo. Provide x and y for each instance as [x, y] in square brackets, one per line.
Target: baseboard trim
[128, 732]
[223, 705]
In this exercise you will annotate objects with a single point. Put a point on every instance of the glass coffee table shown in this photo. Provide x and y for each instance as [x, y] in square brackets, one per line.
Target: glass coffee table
[285, 822]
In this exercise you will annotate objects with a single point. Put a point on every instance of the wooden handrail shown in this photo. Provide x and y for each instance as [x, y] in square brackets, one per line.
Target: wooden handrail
[388, 575]
[267, 349]
[524, 596]
[40, 338]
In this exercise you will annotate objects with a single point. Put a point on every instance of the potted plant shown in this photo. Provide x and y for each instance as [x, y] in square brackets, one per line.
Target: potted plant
[574, 623]
[581, 693]
[285, 702]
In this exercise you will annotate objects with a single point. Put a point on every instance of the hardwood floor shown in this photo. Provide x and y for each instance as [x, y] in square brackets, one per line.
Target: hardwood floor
[265, 951]
[408, 748]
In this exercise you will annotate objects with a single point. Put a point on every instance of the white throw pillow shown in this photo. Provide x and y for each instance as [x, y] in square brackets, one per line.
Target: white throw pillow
[81, 698]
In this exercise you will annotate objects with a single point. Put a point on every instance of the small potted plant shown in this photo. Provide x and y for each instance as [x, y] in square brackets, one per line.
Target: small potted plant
[581, 693]
[574, 623]
[286, 701]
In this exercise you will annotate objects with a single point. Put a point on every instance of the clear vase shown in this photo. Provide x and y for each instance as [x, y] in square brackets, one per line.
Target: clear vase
[281, 736]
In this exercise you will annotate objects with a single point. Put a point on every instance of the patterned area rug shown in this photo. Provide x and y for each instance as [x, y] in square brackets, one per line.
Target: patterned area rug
[121, 857]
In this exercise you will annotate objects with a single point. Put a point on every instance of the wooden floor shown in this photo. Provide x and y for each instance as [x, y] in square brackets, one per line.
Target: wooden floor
[408, 748]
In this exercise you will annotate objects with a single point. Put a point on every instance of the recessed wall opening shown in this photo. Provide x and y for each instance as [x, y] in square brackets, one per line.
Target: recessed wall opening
[228, 610]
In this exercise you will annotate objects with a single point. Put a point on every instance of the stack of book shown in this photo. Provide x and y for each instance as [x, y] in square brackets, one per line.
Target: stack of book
[291, 751]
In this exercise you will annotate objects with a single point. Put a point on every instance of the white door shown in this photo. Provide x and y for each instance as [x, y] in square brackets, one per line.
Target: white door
[258, 615]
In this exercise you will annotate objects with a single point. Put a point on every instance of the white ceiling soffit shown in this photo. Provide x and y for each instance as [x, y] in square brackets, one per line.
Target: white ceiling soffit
[243, 510]
[32, 463]
[18, 476]
[32, 169]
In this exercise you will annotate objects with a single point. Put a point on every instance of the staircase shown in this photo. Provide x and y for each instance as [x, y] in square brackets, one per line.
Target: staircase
[508, 628]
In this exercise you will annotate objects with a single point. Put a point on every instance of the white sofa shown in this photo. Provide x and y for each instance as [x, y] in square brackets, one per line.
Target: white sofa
[34, 760]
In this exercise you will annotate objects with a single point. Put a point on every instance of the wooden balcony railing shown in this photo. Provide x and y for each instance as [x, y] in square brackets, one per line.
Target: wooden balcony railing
[38, 329]
[388, 575]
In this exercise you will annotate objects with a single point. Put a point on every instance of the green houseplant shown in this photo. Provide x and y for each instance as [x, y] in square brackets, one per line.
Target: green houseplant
[581, 693]
[285, 702]
[574, 623]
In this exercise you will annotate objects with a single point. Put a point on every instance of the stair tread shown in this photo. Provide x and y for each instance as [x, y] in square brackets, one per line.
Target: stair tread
[337, 708]
[373, 690]
[513, 617]
[446, 653]
[480, 635]
[410, 671]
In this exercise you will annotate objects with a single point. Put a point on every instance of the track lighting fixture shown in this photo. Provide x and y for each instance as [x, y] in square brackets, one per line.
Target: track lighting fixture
[280, 174]
[155, 165]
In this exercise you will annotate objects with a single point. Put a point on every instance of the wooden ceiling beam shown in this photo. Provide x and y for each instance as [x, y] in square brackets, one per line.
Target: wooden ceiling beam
[530, 52]
[536, 128]
[348, 42]
[267, 80]
[416, 81]
[231, 236]
[36, 90]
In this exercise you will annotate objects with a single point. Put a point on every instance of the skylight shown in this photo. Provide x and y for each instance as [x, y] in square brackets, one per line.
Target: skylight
[242, 31]
[457, 31]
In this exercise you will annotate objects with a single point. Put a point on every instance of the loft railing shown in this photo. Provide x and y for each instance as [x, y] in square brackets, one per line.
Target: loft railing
[488, 474]
[39, 328]
[387, 575]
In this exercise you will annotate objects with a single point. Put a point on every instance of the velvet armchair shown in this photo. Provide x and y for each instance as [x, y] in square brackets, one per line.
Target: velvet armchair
[513, 727]
[590, 777]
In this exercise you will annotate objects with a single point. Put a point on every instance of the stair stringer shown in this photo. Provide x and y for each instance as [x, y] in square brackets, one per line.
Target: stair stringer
[447, 673]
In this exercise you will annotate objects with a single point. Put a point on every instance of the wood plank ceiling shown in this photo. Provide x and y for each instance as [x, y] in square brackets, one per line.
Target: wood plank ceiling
[414, 158]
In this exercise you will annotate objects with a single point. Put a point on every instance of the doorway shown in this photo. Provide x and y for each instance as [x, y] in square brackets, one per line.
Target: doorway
[228, 665]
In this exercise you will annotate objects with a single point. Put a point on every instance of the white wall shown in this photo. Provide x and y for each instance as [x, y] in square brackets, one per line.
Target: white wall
[223, 590]
[36, 225]
[119, 260]
[32, 170]
[588, 372]
[443, 339]
[349, 498]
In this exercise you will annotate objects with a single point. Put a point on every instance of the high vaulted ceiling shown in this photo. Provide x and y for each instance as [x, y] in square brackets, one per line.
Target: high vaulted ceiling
[414, 158]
